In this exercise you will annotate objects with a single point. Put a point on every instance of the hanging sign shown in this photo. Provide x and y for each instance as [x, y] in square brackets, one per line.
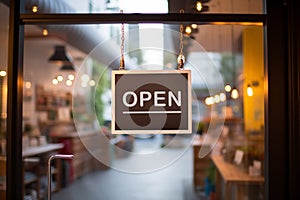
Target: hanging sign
[151, 101]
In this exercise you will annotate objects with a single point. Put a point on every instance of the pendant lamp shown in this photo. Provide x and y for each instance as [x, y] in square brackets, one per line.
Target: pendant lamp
[60, 56]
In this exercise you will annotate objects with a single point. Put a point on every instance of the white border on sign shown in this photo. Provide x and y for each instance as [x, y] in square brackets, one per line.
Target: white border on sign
[187, 131]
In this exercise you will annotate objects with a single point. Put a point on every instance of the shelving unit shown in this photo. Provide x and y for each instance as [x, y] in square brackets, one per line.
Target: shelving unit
[55, 105]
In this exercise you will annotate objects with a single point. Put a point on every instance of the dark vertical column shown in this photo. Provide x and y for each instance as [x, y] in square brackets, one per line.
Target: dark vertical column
[277, 113]
[294, 96]
[14, 104]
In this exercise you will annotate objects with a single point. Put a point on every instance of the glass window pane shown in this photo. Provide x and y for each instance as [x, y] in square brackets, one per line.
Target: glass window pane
[72, 105]
[148, 6]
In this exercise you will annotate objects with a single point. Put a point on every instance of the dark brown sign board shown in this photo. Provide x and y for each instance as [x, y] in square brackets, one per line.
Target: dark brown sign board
[151, 102]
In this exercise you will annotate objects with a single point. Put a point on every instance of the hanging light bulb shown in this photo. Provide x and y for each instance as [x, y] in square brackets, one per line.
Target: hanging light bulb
[209, 101]
[217, 98]
[249, 90]
[222, 97]
[227, 88]
[3, 73]
[188, 30]
[45, 32]
[54, 81]
[199, 6]
[60, 78]
[234, 93]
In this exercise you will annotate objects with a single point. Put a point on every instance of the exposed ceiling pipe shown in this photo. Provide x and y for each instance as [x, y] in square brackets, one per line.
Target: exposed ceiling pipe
[82, 37]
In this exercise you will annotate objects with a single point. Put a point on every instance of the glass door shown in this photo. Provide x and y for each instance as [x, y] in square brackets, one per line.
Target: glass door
[68, 103]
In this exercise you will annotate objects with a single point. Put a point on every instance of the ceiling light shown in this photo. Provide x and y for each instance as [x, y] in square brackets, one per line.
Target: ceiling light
[45, 32]
[60, 56]
[217, 98]
[92, 83]
[199, 6]
[234, 93]
[71, 77]
[227, 88]
[3, 73]
[194, 26]
[209, 101]
[69, 82]
[222, 97]
[249, 91]
[27, 85]
[54, 81]
[60, 78]
[188, 30]
[35, 9]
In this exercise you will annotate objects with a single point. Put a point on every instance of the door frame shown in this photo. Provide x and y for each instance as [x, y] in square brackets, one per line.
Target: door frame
[281, 97]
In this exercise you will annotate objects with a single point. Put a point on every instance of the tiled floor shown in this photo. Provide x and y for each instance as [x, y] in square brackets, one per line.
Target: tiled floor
[173, 182]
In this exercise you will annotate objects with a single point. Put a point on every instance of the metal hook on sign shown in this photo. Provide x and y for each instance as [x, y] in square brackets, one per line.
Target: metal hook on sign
[57, 156]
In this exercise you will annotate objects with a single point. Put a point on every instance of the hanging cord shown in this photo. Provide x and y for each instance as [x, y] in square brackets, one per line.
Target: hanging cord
[181, 58]
[122, 62]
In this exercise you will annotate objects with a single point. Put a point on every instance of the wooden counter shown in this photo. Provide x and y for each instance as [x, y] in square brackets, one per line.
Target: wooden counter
[231, 175]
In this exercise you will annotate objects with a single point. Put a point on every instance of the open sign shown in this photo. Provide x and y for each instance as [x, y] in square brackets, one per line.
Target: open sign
[151, 101]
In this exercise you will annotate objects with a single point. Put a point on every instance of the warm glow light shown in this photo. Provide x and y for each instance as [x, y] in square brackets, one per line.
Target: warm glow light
[194, 26]
[69, 82]
[54, 81]
[235, 94]
[209, 101]
[188, 30]
[60, 78]
[85, 78]
[45, 32]
[35, 9]
[217, 98]
[3, 73]
[71, 77]
[27, 85]
[222, 97]
[92, 83]
[227, 88]
[199, 6]
[249, 91]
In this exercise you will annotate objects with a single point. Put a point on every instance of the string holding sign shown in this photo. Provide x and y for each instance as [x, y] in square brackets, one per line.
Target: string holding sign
[122, 62]
[181, 58]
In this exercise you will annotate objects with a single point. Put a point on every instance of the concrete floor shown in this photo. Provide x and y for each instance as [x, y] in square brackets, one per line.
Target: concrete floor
[173, 182]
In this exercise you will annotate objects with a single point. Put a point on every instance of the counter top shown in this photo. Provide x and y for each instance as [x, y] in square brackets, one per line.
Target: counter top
[32, 151]
[74, 134]
[231, 173]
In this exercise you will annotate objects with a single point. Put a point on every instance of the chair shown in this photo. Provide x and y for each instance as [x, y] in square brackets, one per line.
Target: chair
[31, 176]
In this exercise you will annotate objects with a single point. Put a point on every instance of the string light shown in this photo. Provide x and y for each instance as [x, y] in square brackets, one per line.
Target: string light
[188, 30]
[194, 26]
[3, 73]
[45, 32]
[234, 94]
[54, 81]
[222, 97]
[249, 91]
[199, 6]
[227, 88]
[35, 9]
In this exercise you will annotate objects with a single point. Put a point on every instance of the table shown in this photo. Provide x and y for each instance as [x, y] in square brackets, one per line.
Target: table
[232, 175]
[38, 150]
